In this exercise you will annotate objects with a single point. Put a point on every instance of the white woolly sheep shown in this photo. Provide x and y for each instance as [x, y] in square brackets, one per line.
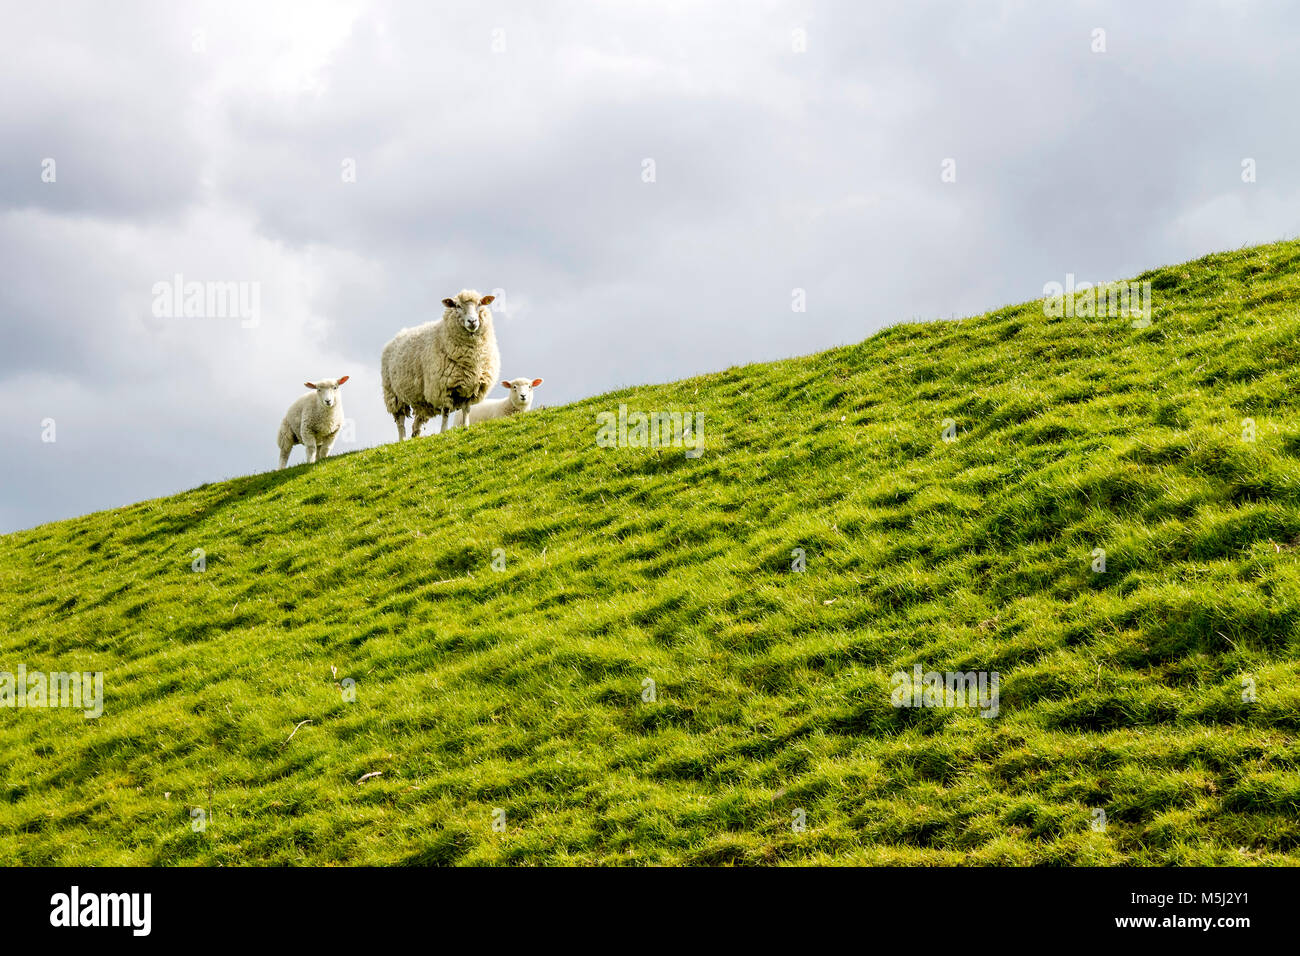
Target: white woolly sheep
[442, 366]
[313, 420]
[519, 400]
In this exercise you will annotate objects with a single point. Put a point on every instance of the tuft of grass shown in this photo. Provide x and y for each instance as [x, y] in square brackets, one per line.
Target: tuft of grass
[511, 712]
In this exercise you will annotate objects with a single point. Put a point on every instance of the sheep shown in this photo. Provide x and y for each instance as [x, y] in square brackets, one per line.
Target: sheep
[313, 420]
[520, 399]
[441, 366]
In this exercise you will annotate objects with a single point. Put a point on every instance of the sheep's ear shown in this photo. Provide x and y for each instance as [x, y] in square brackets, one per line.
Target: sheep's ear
[506, 385]
[310, 384]
[450, 303]
[536, 382]
[344, 379]
[486, 300]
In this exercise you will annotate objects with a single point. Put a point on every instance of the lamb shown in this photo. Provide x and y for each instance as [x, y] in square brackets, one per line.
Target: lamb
[442, 366]
[313, 420]
[520, 399]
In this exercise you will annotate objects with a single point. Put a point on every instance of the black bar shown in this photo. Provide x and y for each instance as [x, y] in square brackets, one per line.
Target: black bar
[949, 904]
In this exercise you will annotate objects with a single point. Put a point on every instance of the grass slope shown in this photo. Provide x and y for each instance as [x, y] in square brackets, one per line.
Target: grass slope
[521, 689]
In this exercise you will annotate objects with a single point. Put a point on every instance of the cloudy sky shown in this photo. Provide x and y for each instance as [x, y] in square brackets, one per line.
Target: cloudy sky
[646, 182]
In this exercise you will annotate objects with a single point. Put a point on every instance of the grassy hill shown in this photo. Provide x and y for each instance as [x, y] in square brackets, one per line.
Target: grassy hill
[521, 690]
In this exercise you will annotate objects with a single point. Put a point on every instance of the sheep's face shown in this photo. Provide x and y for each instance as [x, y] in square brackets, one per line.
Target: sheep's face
[469, 310]
[521, 391]
[327, 390]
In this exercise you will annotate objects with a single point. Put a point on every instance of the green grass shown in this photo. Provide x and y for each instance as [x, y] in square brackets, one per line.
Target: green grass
[521, 689]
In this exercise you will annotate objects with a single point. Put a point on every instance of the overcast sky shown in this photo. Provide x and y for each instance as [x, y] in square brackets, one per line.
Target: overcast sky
[356, 162]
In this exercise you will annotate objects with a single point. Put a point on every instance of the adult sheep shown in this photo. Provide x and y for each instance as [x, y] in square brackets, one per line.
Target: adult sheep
[442, 366]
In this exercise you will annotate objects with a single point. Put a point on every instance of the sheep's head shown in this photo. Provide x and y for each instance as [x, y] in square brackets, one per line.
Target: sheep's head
[469, 309]
[521, 392]
[327, 390]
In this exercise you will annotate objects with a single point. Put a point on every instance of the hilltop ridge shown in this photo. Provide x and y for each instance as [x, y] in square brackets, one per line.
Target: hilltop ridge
[552, 651]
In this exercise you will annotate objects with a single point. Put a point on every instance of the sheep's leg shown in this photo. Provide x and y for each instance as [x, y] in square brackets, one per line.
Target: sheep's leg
[444, 422]
[285, 440]
[323, 449]
[418, 423]
[310, 444]
[400, 418]
[464, 416]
